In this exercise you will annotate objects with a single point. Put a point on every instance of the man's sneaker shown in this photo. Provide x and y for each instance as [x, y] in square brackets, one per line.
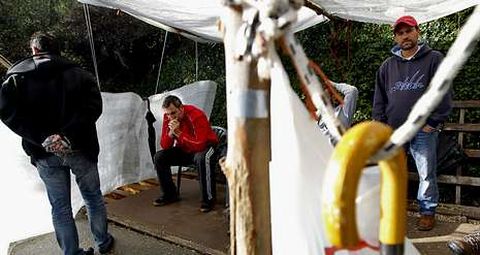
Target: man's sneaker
[165, 201]
[108, 247]
[426, 222]
[468, 245]
[206, 206]
[90, 251]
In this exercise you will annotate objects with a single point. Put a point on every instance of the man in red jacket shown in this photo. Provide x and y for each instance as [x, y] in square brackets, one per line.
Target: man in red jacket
[187, 138]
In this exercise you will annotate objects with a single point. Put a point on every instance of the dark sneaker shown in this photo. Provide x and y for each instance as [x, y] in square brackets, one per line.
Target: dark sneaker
[206, 206]
[165, 201]
[468, 245]
[90, 251]
[108, 247]
[426, 222]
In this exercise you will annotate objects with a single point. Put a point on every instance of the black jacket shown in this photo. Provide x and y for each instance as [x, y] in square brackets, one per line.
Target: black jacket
[47, 94]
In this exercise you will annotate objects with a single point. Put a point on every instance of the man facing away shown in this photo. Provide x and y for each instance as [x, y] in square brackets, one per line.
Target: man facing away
[343, 112]
[187, 138]
[53, 105]
[401, 81]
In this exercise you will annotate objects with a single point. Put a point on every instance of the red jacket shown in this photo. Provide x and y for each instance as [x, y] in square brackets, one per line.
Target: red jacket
[196, 133]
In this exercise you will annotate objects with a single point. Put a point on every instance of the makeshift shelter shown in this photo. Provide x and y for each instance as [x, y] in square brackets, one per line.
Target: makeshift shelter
[298, 150]
[124, 158]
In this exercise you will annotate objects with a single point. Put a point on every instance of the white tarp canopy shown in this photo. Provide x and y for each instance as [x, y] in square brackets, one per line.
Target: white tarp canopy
[197, 19]
[387, 11]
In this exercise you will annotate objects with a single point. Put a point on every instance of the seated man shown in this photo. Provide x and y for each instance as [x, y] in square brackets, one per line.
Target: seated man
[345, 111]
[187, 138]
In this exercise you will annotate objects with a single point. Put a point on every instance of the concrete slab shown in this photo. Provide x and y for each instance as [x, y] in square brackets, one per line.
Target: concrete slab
[181, 228]
[128, 242]
[434, 242]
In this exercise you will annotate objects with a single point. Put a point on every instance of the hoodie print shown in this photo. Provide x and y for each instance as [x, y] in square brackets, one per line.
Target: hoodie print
[413, 83]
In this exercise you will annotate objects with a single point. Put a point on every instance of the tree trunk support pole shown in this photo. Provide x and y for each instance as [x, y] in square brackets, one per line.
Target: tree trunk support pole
[247, 162]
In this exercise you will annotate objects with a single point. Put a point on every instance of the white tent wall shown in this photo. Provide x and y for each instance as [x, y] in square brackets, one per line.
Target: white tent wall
[25, 209]
[122, 131]
[124, 158]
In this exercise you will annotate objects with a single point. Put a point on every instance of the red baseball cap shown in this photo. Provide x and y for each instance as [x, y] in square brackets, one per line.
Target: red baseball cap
[408, 20]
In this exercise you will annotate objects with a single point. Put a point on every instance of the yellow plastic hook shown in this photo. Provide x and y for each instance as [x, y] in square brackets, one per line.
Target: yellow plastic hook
[340, 190]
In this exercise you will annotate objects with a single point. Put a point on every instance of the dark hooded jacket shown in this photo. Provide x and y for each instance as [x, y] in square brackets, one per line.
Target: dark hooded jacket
[46, 94]
[401, 82]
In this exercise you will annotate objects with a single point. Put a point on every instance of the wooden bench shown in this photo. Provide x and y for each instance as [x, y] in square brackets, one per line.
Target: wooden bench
[459, 180]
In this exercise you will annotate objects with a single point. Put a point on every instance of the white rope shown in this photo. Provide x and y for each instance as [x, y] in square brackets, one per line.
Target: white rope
[161, 61]
[196, 60]
[457, 55]
[319, 97]
[86, 12]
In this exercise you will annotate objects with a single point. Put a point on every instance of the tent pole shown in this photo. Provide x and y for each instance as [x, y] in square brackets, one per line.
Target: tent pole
[161, 61]
[196, 61]
[247, 163]
[86, 12]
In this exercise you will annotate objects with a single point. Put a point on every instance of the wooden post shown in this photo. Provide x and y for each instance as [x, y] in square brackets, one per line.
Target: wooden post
[247, 162]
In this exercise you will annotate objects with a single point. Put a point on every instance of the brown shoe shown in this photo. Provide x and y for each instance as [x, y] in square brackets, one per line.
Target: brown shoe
[469, 245]
[426, 222]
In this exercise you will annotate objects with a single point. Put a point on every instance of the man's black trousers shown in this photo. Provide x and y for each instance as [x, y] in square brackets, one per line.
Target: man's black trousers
[205, 163]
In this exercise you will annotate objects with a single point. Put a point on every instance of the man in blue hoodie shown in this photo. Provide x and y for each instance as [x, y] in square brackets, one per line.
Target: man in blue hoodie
[401, 81]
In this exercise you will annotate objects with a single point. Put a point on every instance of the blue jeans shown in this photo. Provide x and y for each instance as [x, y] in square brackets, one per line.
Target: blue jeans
[55, 173]
[423, 148]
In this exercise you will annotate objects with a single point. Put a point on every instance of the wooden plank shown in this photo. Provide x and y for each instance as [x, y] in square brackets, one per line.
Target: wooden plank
[458, 188]
[472, 153]
[466, 104]
[128, 189]
[471, 212]
[115, 195]
[152, 181]
[451, 179]
[462, 127]
[138, 186]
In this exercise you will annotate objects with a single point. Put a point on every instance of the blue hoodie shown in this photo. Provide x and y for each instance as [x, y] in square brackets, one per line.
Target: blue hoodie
[401, 82]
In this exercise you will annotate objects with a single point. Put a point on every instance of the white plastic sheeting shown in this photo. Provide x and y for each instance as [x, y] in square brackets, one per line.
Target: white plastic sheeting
[195, 19]
[124, 158]
[299, 156]
[387, 11]
[200, 94]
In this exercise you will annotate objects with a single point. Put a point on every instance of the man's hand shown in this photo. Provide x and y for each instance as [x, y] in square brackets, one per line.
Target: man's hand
[173, 126]
[56, 144]
[428, 129]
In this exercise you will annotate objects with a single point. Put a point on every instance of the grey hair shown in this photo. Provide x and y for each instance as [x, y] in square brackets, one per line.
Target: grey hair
[45, 42]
